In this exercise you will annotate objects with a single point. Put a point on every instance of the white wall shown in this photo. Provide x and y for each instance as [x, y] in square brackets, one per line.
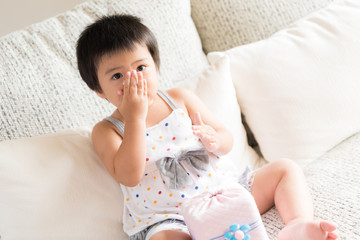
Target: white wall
[17, 14]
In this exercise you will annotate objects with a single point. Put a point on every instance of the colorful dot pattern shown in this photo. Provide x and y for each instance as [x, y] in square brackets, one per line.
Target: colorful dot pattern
[152, 200]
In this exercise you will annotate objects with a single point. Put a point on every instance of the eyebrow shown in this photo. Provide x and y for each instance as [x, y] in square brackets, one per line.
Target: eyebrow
[119, 67]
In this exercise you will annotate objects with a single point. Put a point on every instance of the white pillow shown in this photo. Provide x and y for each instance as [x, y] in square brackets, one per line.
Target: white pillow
[299, 89]
[55, 187]
[216, 90]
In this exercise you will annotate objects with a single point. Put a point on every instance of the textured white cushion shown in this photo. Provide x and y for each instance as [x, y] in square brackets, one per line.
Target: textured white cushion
[334, 186]
[217, 91]
[227, 24]
[40, 88]
[55, 187]
[299, 89]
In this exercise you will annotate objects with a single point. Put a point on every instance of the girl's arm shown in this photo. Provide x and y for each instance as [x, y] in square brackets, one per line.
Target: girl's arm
[213, 134]
[125, 158]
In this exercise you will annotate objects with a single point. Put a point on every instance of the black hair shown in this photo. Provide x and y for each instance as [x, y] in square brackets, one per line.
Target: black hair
[108, 35]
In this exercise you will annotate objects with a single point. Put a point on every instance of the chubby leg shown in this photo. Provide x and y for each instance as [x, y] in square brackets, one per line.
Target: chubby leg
[171, 235]
[283, 183]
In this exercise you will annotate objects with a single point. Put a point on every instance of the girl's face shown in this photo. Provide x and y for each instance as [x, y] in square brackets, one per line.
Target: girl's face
[113, 68]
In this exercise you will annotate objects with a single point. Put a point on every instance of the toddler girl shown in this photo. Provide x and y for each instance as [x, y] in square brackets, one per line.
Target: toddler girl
[162, 146]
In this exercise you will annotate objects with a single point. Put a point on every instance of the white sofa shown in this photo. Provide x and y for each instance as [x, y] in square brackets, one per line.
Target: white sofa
[297, 88]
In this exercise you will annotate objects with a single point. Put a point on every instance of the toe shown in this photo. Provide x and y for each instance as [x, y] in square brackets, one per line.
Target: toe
[332, 236]
[327, 226]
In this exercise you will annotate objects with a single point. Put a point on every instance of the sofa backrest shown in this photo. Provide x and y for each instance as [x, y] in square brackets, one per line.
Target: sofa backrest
[226, 24]
[40, 88]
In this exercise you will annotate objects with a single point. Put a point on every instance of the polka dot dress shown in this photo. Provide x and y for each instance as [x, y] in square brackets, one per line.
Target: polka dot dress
[152, 200]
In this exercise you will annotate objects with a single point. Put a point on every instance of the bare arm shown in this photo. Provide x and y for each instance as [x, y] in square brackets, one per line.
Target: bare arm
[213, 134]
[125, 158]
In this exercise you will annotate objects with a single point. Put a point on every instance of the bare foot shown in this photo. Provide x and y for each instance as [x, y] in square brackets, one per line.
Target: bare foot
[309, 230]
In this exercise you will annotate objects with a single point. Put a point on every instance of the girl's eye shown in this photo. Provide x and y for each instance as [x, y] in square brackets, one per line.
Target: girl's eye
[140, 68]
[117, 76]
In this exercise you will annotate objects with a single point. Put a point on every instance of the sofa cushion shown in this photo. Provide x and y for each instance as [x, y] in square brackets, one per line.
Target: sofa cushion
[40, 88]
[299, 88]
[335, 188]
[227, 24]
[216, 90]
[55, 187]
[334, 184]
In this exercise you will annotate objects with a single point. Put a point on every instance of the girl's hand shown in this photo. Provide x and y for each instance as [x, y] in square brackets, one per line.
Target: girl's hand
[134, 104]
[206, 133]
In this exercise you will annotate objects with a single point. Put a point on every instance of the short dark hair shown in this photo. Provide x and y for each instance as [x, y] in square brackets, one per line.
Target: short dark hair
[108, 35]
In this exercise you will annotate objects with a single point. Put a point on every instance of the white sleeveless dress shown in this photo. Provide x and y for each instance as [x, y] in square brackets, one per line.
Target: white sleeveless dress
[177, 168]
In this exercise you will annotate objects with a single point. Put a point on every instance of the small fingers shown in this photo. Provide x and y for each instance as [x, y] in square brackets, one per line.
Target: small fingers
[197, 130]
[127, 83]
[204, 129]
[213, 146]
[145, 88]
[205, 136]
[210, 139]
[196, 127]
[133, 82]
[140, 83]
